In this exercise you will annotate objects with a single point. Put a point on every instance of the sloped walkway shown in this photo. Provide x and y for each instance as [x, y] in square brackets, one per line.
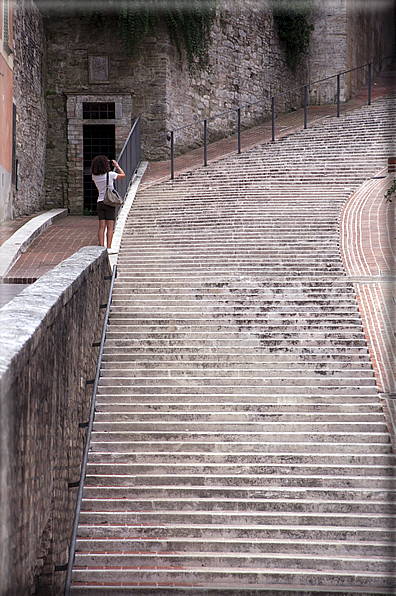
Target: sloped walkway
[365, 214]
[367, 242]
[239, 444]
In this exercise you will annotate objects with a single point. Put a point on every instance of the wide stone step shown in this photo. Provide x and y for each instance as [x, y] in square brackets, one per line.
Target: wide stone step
[263, 481]
[110, 362]
[286, 329]
[194, 457]
[274, 304]
[242, 311]
[317, 355]
[273, 320]
[328, 362]
[233, 282]
[252, 533]
[240, 576]
[227, 493]
[259, 518]
[117, 442]
[238, 418]
[232, 505]
[302, 343]
[235, 560]
[188, 392]
[331, 548]
[280, 407]
[315, 438]
[249, 468]
[156, 371]
[281, 384]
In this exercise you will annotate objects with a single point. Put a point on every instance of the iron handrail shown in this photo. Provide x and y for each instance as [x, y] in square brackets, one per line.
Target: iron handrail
[72, 548]
[171, 133]
[129, 158]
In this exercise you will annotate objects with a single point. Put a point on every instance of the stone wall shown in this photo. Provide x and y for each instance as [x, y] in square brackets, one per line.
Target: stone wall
[371, 36]
[31, 119]
[46, 357]
[348, 34]
[247, 64]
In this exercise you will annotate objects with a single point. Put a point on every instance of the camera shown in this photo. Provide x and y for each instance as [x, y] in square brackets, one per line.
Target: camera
[111, 162]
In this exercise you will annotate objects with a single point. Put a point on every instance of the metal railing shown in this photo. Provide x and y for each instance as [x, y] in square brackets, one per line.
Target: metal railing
[171, 134]
[81, 482]
[129, 158]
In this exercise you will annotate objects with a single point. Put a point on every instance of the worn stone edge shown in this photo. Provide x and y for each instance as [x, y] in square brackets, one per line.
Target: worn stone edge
[124, 212]
[12, 248]
[39, 304]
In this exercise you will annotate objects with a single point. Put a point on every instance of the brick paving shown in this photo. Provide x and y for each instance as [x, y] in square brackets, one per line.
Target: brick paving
[54, 245]
[367, 246]
[8, 228]
[367, 235]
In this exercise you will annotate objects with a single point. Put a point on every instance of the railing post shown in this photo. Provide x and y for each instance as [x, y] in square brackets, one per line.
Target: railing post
[172, 157]
[273, 118]
[305, 105]
[205, 142]
[239, 130]
[369, 84]
[338, 95]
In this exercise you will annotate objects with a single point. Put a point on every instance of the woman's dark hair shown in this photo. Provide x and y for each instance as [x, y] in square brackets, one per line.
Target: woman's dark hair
[100, 165]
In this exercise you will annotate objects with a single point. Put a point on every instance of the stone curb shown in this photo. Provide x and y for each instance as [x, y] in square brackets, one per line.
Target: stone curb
[12, 248]
[124, 212]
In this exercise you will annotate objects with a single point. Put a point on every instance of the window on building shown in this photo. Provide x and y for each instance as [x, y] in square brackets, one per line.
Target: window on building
[98, 110]
[6, 31]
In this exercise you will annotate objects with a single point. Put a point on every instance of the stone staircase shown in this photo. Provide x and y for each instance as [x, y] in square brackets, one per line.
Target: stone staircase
[239, 445]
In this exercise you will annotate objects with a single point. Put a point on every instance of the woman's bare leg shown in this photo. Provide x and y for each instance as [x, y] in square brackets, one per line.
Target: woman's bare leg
[110, 228]
[101, 231]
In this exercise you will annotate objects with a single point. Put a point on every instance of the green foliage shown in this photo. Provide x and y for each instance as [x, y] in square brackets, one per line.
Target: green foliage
[188, 24]
[291, 22]
[389, 195]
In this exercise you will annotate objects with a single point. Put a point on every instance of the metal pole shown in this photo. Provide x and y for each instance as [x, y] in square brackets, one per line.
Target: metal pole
[205, 140]
[305, 105]
[239, 130]
[273, 118]
[369, 84]
[338, 96]
[172, 157]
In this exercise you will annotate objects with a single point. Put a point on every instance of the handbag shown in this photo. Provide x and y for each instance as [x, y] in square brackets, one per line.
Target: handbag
[111, 198]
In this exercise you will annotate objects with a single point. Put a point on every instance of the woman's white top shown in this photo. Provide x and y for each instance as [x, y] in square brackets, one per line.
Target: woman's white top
[101, 182]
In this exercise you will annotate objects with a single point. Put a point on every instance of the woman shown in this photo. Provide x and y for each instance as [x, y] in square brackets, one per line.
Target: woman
[99, 168]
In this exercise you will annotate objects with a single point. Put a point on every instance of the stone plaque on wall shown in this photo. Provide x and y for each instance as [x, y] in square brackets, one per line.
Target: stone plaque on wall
[98, 69]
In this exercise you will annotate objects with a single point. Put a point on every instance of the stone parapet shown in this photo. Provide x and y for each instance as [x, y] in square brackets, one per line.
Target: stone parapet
[46, 358]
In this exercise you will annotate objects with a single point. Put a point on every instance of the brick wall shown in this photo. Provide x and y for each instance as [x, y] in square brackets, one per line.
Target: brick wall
[48, 330]
[31, 118]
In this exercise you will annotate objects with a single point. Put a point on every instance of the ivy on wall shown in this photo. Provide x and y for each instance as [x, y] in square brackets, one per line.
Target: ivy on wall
[291, 22]
[188, 24]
